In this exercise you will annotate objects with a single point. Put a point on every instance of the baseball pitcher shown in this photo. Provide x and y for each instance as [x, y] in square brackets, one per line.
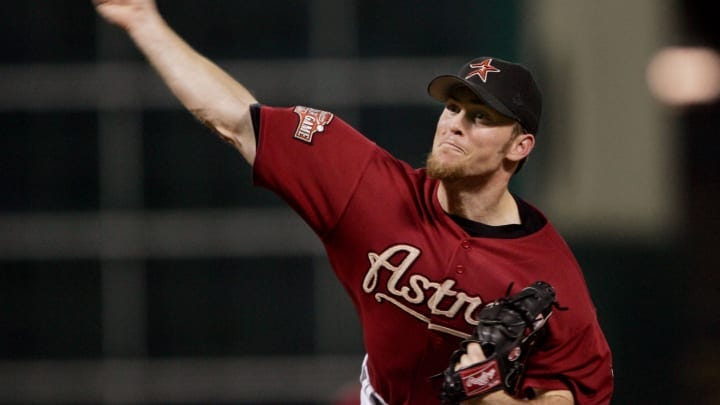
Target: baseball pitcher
[465, 291]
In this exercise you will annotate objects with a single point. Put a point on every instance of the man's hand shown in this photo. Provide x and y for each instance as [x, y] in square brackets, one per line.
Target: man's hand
[475, 355]
[125, 13]
[507, 332]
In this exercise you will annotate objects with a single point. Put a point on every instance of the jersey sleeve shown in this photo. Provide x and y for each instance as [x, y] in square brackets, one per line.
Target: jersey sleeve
[585, 368]
[312, 159]
[576, 354]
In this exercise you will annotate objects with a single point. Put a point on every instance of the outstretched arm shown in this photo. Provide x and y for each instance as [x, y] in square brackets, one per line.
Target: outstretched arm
[215, 98]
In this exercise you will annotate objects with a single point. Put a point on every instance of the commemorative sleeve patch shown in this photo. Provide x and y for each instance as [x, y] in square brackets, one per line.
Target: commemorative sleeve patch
[310, 122]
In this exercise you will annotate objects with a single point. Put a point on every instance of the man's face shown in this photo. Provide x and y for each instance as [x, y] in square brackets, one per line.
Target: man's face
[471, 139]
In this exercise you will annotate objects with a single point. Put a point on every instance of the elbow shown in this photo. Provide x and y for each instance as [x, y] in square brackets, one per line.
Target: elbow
[235, 128]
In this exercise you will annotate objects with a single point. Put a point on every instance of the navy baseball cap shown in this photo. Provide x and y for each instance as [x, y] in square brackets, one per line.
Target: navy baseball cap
[507, 87]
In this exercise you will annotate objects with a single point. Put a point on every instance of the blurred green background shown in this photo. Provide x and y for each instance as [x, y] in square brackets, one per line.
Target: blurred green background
[138, 265]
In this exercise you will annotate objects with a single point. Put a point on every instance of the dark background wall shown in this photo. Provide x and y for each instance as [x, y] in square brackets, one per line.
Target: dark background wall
[701, 174]
[138, 265]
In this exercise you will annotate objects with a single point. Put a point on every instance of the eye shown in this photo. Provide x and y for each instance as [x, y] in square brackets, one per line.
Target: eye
[452, 107]
[479, 116]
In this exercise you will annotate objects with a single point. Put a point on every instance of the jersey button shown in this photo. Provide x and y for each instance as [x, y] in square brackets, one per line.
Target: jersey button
[465, 244]
[460, 269]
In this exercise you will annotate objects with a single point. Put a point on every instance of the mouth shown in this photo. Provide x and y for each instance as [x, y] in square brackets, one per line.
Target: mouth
[451, 146]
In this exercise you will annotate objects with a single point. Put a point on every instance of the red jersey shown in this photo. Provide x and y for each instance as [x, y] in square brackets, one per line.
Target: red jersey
[414, 275]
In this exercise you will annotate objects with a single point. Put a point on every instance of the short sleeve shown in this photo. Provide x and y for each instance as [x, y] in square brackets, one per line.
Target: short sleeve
[580, 362]
[312, 159]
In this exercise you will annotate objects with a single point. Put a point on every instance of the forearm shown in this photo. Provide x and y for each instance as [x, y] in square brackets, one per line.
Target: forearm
[214, 97]
[553, 397]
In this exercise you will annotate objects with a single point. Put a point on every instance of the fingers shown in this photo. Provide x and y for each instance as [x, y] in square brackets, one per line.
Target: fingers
[473, 354]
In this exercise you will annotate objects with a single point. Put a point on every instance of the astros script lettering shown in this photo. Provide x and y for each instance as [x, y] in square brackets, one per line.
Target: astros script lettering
[417, 288]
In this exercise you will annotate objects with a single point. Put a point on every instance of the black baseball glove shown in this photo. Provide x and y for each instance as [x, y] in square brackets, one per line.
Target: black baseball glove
[507, 332]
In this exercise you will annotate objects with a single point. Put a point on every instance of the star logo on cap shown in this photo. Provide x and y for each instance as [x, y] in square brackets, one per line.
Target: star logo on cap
[482, 69]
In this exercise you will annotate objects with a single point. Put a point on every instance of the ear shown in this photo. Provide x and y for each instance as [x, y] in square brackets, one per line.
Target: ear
[521, 147]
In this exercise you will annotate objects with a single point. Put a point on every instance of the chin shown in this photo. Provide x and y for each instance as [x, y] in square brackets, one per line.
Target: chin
[442, 169]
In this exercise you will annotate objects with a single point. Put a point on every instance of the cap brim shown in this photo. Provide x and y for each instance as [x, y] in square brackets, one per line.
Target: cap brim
[440, 87]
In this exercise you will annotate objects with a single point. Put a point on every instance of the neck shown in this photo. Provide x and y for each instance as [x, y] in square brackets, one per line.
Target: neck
[487, 203]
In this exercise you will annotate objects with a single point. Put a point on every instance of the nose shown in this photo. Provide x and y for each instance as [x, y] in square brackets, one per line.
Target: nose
[456, 123]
